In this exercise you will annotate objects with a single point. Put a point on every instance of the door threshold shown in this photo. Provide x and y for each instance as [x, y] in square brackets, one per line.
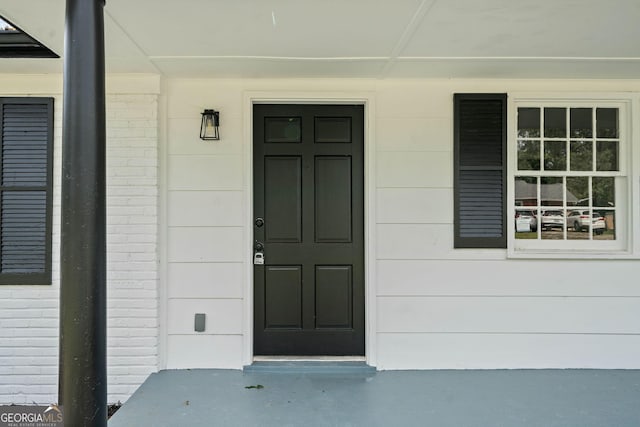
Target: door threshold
[309, 359]
[315, 365]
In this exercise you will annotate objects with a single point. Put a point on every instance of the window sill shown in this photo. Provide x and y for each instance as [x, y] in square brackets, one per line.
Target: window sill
[571, 255]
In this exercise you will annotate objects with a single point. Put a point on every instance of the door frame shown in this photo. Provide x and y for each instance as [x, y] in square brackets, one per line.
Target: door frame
[366, 99]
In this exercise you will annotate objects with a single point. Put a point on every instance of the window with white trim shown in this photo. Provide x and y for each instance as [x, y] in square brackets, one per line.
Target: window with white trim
[569, 176]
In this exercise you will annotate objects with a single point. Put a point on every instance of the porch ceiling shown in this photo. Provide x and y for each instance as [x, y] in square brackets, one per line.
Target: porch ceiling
[354, 38]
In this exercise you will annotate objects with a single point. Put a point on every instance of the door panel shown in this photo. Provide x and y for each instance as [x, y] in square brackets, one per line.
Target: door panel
[334, 292]
[283, 198]
[283, 297]
[332, 129]
[309, 190]
[333, 199]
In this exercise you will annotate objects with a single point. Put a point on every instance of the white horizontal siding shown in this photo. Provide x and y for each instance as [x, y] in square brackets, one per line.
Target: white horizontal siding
[414, 169]
[205, 280]
[414, 205]
[414, 134]
[204, 351]
[477, 307]
[414, 100]
[223, 316]
[205, 244]
[507, 278]
[187, 98]
[205, 172]
[205, 208]
[507, 351]
[184, 137]
[414, 241]
[206, 213]
[440, 307]
[557, 315]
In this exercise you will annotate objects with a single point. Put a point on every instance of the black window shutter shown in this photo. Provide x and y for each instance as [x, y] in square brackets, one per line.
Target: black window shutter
[26, 141]
[480, 135]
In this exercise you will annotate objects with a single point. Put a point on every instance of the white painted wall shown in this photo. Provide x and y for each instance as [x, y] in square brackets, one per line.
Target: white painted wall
[433, 307]
[29, 314]
[430, 306]
[205, 216]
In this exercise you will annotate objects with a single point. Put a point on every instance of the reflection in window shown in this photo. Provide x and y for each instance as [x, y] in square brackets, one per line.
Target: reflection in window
[577, 191]
[565, 188]
[604, 192]
[581, 123]
[607, 156]
[526, 191]
[607, 122]
[526, 217]
[551, 191]
[555, 156]
[566, 209]
[555, 122]
[529, 155]
[529, 123]
[581, 155]
[552, 224]
[608, 231]
[526, 223]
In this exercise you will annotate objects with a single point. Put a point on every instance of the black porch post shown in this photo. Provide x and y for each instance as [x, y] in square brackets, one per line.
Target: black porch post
[83, 367]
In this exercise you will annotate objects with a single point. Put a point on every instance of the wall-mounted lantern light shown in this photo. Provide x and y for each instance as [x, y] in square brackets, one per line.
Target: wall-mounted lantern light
[209, 126]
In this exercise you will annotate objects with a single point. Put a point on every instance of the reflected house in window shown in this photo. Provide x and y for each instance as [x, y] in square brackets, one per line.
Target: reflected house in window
[551, 194]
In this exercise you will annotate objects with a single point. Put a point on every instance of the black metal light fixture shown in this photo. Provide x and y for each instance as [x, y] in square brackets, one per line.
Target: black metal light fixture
[209, 125]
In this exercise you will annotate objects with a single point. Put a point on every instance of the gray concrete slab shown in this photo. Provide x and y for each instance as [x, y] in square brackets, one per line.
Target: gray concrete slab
[581, 398]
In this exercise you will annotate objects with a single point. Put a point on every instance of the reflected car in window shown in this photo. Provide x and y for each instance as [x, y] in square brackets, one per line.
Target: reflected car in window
[552, 219]
[526, 218]
[579, 220]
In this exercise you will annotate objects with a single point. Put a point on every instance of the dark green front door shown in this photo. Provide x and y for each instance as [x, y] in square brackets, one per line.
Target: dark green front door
[308, 225]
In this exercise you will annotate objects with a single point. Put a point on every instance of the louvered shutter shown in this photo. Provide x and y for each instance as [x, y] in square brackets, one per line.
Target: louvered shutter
[480, 170]
[25, 190]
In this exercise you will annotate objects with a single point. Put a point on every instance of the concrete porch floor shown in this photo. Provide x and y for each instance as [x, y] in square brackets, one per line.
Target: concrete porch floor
[204, 397]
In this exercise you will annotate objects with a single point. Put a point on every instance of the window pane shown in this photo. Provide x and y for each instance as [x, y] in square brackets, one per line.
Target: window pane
[581, 123]
[526, 216]
[551, 191]
[529, 155]
[526, 224]
[568, 176]
[604, 192]
[552, 224]
[555, 156]
[607, 122]
[609, 230]
[598, 225]
[528, 122]
[578, 224]
[555, 122]
[282, 129]
[607, 156]
[526, 191]
[577, 191]
[581, 155]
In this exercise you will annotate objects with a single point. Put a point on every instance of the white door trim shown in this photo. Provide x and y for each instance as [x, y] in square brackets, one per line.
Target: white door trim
[274, 97]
